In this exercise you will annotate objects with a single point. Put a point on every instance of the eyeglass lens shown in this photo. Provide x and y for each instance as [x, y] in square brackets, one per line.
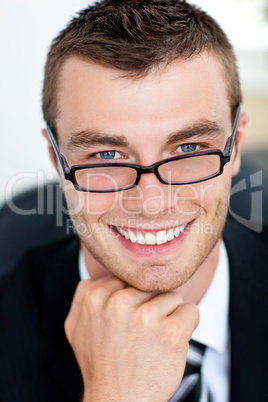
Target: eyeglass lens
[179, 171]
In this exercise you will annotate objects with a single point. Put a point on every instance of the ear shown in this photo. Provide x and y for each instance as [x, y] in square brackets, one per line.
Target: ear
[50, 149]
[239, 140]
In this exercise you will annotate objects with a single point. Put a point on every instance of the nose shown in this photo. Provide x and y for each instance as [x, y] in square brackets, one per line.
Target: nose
[149, 197]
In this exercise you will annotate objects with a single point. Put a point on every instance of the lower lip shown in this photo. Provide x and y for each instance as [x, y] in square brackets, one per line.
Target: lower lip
[150, 250]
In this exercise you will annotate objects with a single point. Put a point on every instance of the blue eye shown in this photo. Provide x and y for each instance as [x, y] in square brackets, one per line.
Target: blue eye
[108, 155]
[188, 148]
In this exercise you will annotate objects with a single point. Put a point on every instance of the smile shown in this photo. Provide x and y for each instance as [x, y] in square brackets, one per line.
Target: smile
[149, 238]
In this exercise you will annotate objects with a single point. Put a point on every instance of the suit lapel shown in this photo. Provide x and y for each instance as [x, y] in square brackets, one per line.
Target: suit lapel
[248, 313]
[60, 283]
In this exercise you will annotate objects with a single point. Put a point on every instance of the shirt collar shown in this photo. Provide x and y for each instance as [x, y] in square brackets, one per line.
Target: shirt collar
[212, 330]
[83, 272]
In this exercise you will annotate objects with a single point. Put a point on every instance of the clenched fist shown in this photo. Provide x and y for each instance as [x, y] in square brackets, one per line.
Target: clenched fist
[130, 345]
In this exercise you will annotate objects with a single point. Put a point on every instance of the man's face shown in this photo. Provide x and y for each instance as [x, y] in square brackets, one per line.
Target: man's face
[106, 117]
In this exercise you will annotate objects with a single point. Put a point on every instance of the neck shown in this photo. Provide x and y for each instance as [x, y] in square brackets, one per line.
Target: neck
[196, 287]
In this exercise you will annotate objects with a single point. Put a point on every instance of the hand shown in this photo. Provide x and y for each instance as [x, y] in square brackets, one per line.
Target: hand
[130, 345]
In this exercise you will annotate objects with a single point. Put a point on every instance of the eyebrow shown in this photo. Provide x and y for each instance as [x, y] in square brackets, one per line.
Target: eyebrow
[203, 127]
[91, 137]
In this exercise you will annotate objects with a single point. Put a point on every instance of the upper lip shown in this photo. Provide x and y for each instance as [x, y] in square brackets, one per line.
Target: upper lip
[153, 229]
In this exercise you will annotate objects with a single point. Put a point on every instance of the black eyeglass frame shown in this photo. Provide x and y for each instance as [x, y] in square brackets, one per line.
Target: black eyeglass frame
[225, 157]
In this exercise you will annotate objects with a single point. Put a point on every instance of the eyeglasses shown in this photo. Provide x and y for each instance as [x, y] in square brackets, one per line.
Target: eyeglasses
[184, 169]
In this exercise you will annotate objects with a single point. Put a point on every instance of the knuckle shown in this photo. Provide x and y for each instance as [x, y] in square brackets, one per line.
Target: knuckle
[182, 324]
[194, 314]
[175, 330]
[120, 300]
[82, 288]
[83, 285]
[146, 313]
[94, 297]
[177, 335]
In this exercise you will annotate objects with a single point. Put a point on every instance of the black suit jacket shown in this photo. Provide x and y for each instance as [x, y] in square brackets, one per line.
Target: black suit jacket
[36, 361]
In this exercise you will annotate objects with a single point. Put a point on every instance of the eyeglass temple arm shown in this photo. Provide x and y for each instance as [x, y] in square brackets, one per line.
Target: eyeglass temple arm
[62, 161]
[230, 142]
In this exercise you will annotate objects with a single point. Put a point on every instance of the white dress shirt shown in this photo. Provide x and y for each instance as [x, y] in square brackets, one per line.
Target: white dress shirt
[212, 331]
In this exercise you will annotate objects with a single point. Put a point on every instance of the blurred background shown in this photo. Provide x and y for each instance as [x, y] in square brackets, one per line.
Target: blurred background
[26, 30]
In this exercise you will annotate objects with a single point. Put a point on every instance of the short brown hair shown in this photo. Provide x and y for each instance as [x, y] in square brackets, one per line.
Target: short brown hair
[135, 36]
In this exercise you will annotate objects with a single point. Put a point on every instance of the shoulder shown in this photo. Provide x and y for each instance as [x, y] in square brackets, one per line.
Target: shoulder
[238, 236]
[35, 297]
[248, 258]
[38, 266]
[41, 284]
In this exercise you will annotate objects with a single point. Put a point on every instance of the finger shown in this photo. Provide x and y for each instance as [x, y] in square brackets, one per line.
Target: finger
[82, 288]
[101, 292]
[164, 304]
[132, 296]
[187, 318]
[74, 312]
[86, 289]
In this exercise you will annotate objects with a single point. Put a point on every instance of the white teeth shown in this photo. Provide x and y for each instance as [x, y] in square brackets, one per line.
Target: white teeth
[132, 237]
[177, 231]
[150, 238]
[160, 237]
[170, 234]
[140, 238]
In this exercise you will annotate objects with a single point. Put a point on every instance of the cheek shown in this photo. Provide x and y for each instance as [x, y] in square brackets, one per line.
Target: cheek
[205, 197]
[89, 205]
[100, 204]
[215, 194]
[194, 198]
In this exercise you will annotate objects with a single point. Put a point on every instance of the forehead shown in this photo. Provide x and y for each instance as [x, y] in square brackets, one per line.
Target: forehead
[93, 97]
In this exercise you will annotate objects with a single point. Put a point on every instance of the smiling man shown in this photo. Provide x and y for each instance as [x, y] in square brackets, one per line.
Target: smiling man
[141, 122]
[144, 125]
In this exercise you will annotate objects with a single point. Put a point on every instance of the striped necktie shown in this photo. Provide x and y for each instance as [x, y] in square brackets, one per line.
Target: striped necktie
[191, 384]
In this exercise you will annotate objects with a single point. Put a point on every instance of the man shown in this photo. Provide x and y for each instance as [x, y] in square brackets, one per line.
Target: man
[142, 102]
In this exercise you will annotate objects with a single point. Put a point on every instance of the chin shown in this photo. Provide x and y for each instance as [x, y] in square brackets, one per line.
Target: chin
[158, 281]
